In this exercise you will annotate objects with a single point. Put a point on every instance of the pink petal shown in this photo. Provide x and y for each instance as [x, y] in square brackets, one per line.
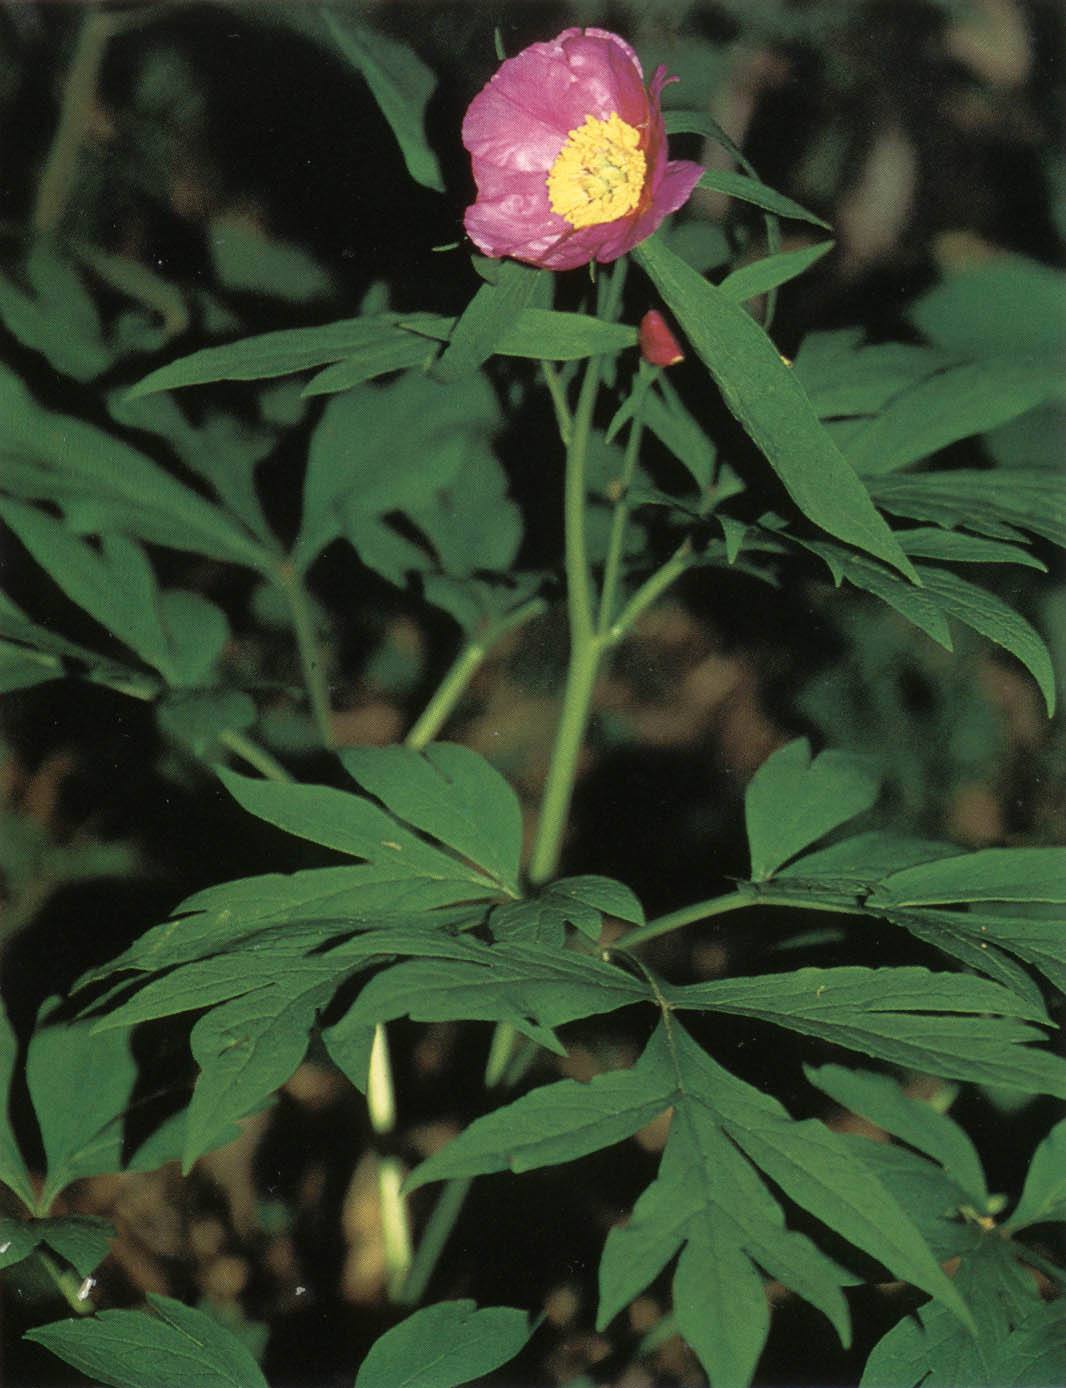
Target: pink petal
[676, 186]
[610, 76]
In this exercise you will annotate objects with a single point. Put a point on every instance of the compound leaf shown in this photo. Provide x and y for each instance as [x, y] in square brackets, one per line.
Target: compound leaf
[450, 793]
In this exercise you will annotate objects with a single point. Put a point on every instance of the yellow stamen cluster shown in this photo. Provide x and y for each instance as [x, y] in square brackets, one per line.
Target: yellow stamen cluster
[598, 175]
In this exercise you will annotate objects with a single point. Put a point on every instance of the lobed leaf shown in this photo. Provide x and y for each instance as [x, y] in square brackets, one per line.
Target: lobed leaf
[351, 824]
[450, 793]
[794, 800]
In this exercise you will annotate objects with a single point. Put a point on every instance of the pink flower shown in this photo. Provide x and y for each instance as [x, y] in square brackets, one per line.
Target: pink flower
[658, 345]
[569, 154]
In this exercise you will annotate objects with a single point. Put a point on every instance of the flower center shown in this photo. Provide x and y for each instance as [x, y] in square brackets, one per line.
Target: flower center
[598, 175]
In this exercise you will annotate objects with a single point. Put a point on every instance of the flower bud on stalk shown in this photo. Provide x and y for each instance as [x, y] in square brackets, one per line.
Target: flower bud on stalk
[658, 345]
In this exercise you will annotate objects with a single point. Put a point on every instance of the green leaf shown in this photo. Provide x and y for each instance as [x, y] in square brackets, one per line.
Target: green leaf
[927, 542]
[967, 399]
[14, 1172]
[792, 801]
[131, 1349]
[351, 824]
[709, 1200]
[248, 1048]
[1008, 305]
[18, 1239]
[1033, 1355]
[895, 1014]
[444, 1345]
[1016, 1342]
[436, 432]
[771, 405]
[542, 334]
[83, 1240]
[450, 793]
[760, 276]
[529, 986]
[557, 1123]
[915, 604]
[1044, 1193]
[220, 448]
[990, 616]
[486, 319]
[990, 874]
[312, 906]
[199, 720]
[395, 354]
[80, 1085]
[845, 378]
[706, 1190]
[882, 1101]
[932, 1200]
[747, 189]
[859, 862]
[816, 1168]
[672, 425]
[274, 354]
[974, 936]
[999, 503]
[115, 586]
[401, 84]
[52, 457]
[577, 897]
[246, 260]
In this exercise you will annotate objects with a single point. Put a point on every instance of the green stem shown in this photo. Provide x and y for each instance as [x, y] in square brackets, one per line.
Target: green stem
[563, 419]
[651, 590]
[585, 647]
[562, 774]
[463, 669]
[435, 1235]
[451, 689]
[74, 1292]
[687, 915]
[250, 752]
[314, 672]
[54, 188]
[732, 901]
[620, 519]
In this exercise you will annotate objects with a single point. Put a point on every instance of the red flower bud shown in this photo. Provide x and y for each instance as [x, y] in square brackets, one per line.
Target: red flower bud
[658, 345]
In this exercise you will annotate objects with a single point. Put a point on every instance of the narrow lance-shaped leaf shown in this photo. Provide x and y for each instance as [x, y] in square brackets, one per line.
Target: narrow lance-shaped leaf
[772, 406]
[486, 319]
[760, 276]
[880, 1099]
[13, 1170]
[402, 85]
[1044, 1193]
